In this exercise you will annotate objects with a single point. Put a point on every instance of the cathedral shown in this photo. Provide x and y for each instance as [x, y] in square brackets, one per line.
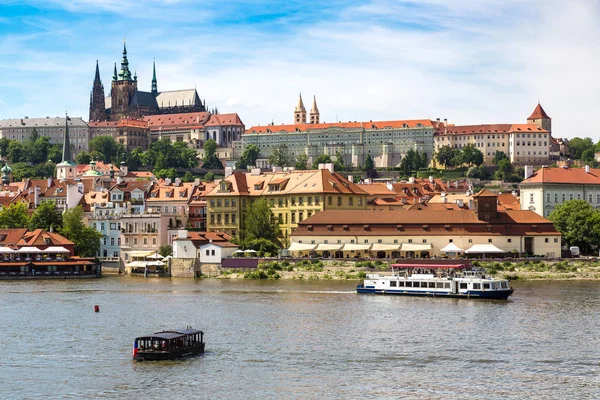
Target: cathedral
[126, 101]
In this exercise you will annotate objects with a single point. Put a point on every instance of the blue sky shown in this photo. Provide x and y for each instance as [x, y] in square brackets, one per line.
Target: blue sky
[487, 61]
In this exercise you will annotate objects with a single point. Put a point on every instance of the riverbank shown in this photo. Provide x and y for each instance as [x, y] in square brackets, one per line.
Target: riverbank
[350, 270]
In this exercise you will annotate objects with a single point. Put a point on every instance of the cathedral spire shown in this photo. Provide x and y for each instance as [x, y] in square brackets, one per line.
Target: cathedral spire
[154, 83]
[315, 116]
[97, 77]
[300, 112]
[115, 76]
[125, 74]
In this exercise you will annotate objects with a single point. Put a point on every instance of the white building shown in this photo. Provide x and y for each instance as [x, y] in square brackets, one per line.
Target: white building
[207, 247]
[547, 188]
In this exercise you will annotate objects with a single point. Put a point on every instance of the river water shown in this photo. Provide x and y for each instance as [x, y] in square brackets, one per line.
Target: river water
[297, 340]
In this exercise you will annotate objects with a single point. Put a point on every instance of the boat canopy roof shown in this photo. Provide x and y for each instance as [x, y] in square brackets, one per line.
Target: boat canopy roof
[170, 335]
[430, 266]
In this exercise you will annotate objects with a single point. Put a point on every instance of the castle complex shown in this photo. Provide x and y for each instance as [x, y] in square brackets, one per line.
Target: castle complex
[126, 101]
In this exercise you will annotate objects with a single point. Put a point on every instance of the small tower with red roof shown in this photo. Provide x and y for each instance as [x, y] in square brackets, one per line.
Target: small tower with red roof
[540, 118]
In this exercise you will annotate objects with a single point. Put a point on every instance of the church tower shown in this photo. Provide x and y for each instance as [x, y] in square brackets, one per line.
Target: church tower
[300, 112]
[97, 105]
[154, 83]
[540, 118]
[123, 89]
[66, 169]
[315, 116]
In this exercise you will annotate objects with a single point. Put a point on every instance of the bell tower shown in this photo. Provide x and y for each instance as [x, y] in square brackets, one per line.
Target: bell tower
[315, 116]
[97, 104]
[540, 118]
[123, 89]
[300, 112]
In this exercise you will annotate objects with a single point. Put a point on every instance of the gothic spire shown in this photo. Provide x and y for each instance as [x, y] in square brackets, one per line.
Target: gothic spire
[300, 105]
[115, 76]
[66, 155]
[125, 74]
[97, 77]
[314, 106]
[154, 83]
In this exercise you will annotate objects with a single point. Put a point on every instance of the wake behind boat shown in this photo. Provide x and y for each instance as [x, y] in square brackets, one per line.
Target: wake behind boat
[436, 280]
[167, 345]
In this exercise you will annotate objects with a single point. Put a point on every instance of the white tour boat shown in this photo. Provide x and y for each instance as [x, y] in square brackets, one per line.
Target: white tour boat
[436, 280]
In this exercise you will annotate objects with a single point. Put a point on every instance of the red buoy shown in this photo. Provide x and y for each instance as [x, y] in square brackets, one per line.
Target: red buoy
[97, 308]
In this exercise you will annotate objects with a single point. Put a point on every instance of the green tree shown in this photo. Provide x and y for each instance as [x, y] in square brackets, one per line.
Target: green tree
[83, 158]
[46, 217]
[165, 250]
[264, 247]
[279, 156]
[4, 142]
[446, 156]
[184, 156]
[260, 223]
[469, 154]
[249, 156]
[322, 159]
[106, 148]
[14, 216]
[578, 145]
[505, 169]
[86, 239]
[15, 152]
[301, 162]
[210, 148]
[135, 159]
[170, 173]
[55, 153]
[338, 164]
[369, 164]
[34, 135]
[578, 222]
[209, 176]
[188, 177]
[500, 155]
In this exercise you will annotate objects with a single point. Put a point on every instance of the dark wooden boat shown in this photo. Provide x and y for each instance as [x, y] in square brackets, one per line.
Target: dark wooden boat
[168, 345]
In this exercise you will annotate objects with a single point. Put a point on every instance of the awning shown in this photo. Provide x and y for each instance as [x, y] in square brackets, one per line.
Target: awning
[6, 250]
[451, 248]
[415, 247]
[29, 249]
[385, 247]
[328, 247]
[356, 247]
[301, 247]
[484, 248]
[140, 253]
[56, 249]
[155, 256]
[137, 264]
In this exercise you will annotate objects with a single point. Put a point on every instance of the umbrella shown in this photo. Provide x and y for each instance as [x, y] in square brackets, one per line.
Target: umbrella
[250, 251]
[156, 263]
[239, 251]
[155, 256]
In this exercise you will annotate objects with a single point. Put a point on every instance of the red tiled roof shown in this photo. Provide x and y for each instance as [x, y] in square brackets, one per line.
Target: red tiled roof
[187, 120]
[224, 119]
[491, 128]
[538, 113]
[345, 125]
[576, 176]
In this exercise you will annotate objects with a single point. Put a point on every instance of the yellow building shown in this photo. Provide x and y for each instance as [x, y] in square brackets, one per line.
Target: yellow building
[292, 195]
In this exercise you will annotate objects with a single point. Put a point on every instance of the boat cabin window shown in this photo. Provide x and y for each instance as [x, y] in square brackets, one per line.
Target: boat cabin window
[447, 285]
[486, 285]
[431, 284]
[401, 283]
[439, 285]
[409, 284]
[463, 285]
[504, 285]
[477, 286]
[393, 283]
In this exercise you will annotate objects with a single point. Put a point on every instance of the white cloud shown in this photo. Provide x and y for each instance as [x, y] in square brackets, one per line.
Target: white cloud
[471, 62]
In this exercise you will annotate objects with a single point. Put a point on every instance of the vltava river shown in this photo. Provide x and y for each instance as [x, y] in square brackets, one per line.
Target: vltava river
[297, 340]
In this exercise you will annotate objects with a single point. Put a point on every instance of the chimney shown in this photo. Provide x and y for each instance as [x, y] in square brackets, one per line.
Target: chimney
[350, 178]
[587, 169]
[445, 200]
[49, 182]
[528, 171]
[177, 181]
[277, 169]
[460, 203]
[411, 179]
[168, 181]
[255, 172]
[328, 166]
[430, 179]
[228, 171]
[36, 196]
[119, 180]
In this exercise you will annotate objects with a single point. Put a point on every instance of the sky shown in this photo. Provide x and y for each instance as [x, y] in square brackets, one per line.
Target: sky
[472, 62]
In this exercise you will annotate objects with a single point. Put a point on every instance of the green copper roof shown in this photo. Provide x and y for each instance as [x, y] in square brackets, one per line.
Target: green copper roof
[125, 74]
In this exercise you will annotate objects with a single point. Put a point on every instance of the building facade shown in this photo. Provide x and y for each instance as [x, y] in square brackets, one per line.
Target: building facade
[131, 133]
[528, 143]
[414, 233]
[545, 189]
[292, 196]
